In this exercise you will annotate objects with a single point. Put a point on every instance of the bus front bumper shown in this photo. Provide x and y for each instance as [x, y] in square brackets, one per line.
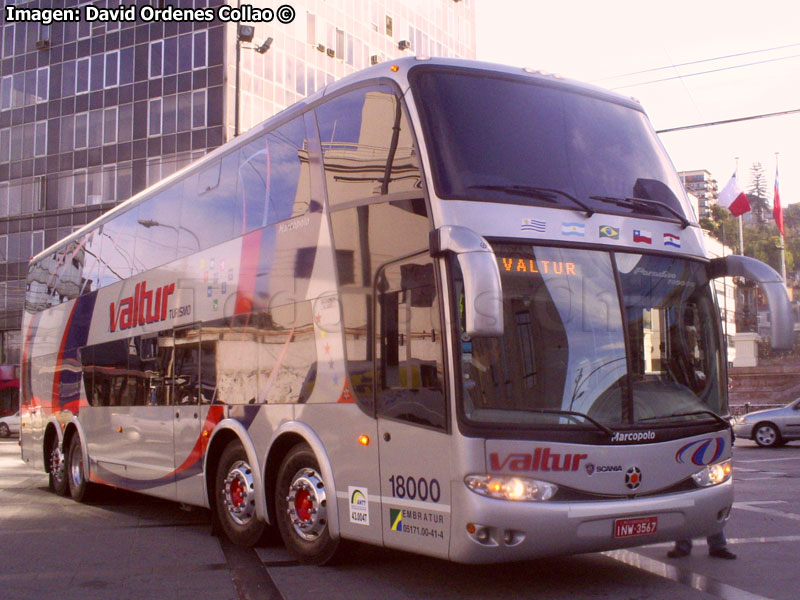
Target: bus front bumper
[486, 530]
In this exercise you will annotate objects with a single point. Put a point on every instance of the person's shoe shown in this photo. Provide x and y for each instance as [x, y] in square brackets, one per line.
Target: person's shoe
[722, 553]
[677, 553]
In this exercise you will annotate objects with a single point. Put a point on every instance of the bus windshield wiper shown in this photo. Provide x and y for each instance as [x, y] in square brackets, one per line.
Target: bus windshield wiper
[694, 413]
[643, 203]
[533, 191]
[572, 413]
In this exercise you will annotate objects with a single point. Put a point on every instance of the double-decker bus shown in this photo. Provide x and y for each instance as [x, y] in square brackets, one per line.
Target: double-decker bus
[440, 306]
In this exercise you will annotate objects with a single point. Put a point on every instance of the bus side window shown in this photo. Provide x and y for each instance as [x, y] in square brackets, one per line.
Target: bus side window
[187, 367]
[410, 381]
[274, 180]
[208, 207]
[367, 145]
[159, 227]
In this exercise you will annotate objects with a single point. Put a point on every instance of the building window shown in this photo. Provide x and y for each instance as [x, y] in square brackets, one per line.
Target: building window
[200, 51]
[339, 44]
[81, 130]
[154, 107]
[185, 52]
[95, 128]
[98, 72]
[65, 190]
[5, 143]
[112, 69]
[40, 142]
[81, 75]
[311, 28]
[3, 206]
[184, 111]
[109, 184]
[153, 171]
[389, 26]
[125, 127]
[110, 125]
[42, 84]
[38, 242]
[67, 134]
[79, 188]
[199, 109]
[156, 58]
[126, 64]
[8, 41]
[5, 92]
[168, 109]
[94, 187]
[84, 29]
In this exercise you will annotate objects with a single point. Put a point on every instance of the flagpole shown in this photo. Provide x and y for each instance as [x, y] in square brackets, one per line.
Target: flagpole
[739, 218]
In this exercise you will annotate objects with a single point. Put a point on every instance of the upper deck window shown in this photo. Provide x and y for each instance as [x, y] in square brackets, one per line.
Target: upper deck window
[499, 138]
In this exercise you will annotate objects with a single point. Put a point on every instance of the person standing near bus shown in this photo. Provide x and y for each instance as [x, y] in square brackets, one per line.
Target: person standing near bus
[717, 547]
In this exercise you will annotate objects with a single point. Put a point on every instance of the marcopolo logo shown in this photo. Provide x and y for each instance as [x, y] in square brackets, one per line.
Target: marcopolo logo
[633, 436]
[144, 306]
[701, 452]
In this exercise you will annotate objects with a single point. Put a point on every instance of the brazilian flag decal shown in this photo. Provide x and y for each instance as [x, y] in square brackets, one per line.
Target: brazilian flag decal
[396, 517]
[607, 231]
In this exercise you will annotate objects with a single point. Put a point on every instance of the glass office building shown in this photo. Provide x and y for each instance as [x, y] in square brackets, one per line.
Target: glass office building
[92, 113]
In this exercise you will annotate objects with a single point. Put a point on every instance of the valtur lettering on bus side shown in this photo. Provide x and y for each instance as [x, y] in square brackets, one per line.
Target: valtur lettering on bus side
[144, 306]
[541, 460]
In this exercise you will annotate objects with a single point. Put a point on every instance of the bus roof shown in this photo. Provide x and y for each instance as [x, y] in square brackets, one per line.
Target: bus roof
[396, 70]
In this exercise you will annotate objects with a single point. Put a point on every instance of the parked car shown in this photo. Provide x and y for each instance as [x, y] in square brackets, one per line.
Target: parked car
[9, 425]
[772, 427]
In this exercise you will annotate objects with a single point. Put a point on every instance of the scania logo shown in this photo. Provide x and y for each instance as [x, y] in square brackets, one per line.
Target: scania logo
[701, 452]
[591, 469]
[633, 478]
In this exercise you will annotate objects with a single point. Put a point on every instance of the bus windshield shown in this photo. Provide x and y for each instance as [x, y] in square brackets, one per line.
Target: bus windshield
[545, 145]
[623, 338]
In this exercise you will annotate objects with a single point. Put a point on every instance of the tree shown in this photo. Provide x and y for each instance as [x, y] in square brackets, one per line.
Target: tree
[758, 192]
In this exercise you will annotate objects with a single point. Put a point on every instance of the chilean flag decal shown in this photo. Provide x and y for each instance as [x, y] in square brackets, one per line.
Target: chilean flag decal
[642, 237]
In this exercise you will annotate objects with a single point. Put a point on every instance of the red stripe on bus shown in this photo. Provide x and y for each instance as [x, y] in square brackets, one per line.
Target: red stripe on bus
[26, 385]
[215, 414]
[248, 269]
[59, 360]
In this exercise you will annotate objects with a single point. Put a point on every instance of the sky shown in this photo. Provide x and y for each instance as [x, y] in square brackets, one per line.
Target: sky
[609, 42]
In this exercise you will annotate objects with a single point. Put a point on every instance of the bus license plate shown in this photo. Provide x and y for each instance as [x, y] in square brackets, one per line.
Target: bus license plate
[638, 526]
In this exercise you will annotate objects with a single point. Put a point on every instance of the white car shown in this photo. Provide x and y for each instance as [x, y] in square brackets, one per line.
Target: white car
[9, 425]
[772, 427]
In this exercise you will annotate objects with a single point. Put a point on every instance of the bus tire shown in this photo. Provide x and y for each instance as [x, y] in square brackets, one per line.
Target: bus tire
[235, 498]
[57, 471]
[301, 507]
[78, 485]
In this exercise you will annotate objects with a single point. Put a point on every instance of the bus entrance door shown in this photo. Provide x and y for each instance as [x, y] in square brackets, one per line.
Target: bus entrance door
[411, 408]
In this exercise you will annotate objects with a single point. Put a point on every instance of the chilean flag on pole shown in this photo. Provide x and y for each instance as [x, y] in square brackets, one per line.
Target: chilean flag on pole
[777, 211]
[734, 199]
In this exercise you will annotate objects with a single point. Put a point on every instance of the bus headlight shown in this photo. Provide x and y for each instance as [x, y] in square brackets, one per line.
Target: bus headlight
[520, 489]
[714, 474]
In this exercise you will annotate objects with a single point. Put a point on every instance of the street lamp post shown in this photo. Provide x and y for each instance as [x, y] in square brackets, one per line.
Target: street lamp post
[244, 33]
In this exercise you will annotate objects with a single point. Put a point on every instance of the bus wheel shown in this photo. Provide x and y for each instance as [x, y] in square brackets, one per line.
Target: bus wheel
[236, 497]
[301, 505]
[78, 486]
[57, 471]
